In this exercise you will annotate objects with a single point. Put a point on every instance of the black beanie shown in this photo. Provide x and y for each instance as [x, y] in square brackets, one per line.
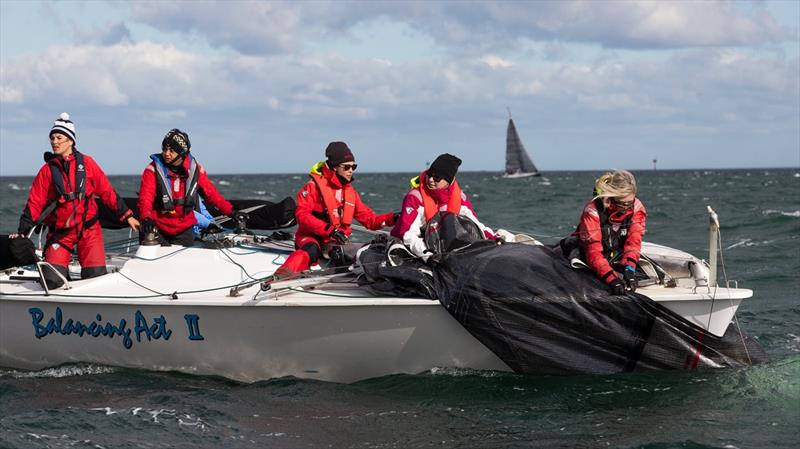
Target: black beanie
[445, 166]
[338, 152]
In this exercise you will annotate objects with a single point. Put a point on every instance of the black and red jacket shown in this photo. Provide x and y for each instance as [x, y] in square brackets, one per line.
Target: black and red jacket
[316, 220]
[71, 183]
[175, 214]
[607, 234]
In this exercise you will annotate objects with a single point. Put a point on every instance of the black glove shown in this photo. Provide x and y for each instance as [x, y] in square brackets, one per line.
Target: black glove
[239, 216]
[395, 217]
[212, 228]
[148, 226]
[617, 287]
[629, 276]
[339, 235]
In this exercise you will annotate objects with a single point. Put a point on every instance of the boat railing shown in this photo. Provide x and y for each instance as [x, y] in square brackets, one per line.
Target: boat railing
[40, 268]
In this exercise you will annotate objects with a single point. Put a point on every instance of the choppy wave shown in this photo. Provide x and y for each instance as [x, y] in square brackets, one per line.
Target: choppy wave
[750, 242]
[223, 182]
[795, 213]
[156, 415]
[13, 186]
[58, 372]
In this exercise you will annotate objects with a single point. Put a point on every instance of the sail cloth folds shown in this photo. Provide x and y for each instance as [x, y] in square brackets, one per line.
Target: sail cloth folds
[517, 159]
[538, 315]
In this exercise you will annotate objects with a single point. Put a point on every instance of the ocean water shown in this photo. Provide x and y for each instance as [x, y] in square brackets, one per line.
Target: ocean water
[90, 406]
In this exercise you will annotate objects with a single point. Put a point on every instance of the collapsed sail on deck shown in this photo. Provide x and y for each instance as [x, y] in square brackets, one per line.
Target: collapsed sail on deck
[518, 163]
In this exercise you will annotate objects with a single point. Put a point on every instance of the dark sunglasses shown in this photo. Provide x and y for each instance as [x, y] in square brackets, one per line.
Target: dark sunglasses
[435, 178]
[349, 166]
[622, 204]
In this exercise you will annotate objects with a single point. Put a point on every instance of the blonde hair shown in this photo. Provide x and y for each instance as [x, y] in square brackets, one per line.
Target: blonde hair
[618, 184]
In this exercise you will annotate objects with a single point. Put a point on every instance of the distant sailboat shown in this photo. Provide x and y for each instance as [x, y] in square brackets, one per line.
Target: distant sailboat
[518, 163]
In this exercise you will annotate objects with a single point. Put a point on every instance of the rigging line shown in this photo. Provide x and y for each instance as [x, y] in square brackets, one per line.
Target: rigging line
[143, 286]
[735, 317]
[60, 295]
[313, 292]
[244, 270]
[162, 256]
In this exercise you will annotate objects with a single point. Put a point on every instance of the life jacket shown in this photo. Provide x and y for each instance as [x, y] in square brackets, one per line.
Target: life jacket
[163, 200]
[614, 233]
[60, 179]
[338, 214]
[78, 191]
[453, 203]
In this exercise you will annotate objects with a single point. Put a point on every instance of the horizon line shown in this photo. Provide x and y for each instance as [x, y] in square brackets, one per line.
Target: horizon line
[468, 171]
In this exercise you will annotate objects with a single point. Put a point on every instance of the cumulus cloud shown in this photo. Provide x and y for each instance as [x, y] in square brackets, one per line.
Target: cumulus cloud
[472, 27]
[10, 95]
[165, 78]
[118, 75]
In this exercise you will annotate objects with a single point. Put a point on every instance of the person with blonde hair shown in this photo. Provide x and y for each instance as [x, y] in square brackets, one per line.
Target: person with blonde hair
[609, 235]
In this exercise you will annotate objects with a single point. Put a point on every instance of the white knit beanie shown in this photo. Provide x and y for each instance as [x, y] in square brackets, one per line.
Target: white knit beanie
[64, 126]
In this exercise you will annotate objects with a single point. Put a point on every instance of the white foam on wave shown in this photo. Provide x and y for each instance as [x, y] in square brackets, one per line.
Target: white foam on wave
[165, 415]
[224, 183]
[459, 372]
[61, 371]
[784, 213]
[750, 242]
[13, 186]
[260, 192]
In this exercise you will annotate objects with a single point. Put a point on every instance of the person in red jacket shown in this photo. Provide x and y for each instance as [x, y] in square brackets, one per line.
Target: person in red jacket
[610, 231]
[170, 189]
[434, 190]
[63, 195]
[326, 207]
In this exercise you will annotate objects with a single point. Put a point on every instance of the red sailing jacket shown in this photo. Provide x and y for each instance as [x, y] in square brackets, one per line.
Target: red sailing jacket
[591, 236]
[177, 221]
[73, 213]
[313, 218]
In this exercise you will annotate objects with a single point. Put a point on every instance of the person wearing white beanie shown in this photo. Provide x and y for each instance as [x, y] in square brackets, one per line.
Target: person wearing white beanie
[62, 197]
[63, 125]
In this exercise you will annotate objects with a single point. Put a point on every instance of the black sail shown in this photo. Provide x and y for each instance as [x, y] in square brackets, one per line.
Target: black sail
[517, 159]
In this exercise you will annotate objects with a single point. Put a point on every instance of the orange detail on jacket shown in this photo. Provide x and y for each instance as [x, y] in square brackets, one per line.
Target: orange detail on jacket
[453, 204]
[332, 205]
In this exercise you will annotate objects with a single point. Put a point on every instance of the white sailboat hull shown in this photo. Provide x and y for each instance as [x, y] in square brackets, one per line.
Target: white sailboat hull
[331, 331]
[519, 175]
[246, 340]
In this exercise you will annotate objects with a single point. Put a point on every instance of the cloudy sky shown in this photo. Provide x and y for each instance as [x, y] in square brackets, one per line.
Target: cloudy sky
[262, 87]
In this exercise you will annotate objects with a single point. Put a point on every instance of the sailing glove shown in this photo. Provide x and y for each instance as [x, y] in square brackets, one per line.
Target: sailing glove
[395, 217]
[617, 287]
[148, 226]
[629, 276]
[339, 236]
[239, 216]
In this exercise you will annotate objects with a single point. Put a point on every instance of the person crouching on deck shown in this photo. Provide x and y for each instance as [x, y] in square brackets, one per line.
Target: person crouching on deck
[170, 190]
[434, 190]
[326, 207]
[610, 231]
[63, 197]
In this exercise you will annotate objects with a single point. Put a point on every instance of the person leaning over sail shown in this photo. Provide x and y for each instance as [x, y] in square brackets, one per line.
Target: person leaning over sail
[434, 190]
[170, 190]
[609, 235]
[326, 206]
[63, 195]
